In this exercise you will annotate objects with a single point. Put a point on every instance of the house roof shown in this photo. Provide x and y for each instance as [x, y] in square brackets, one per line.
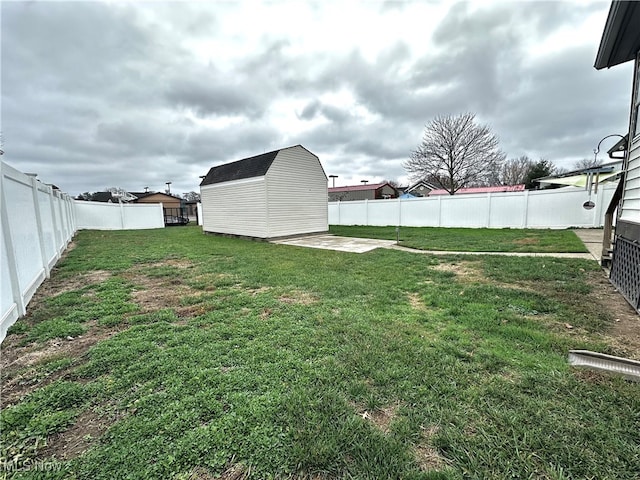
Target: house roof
[140, 195]
[579, 177]
[420, 183]
[355, 188]
[621, 36]
[102, 197]
[498, 188]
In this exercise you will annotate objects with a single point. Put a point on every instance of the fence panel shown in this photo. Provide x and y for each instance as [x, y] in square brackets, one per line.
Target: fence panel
[561, 208]
[420, 212]
[33, 233]
[114, 216]
[507, 211]
[48, 232]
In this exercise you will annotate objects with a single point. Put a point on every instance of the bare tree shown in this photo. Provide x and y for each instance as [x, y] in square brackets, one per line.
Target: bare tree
[456, 152]
[514, 171]
[393, 183]
[191, 196]
[586, 163]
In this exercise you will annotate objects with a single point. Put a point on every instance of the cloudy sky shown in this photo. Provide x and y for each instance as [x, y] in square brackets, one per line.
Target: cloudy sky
[101, 94]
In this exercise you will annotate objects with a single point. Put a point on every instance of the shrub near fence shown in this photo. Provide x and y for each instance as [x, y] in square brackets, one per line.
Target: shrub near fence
[37, 223]
[559, 208]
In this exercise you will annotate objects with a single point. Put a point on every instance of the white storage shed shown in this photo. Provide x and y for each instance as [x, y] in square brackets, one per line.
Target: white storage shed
[277, 194]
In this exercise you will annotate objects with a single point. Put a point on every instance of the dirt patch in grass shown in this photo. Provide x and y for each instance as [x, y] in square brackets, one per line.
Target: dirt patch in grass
[428, 458]
[381, 418]
[179, 263]
[18, 362]
[232, 472]
[465, 272]
[56, 285]
[527, 241]
[152, 294]
[258, 291]
[624, 334]
[298, 297]
[73, 442]
[415, 301]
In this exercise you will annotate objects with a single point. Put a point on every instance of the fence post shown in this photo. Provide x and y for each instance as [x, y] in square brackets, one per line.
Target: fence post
[597, 214]
[36, 206]
[525, 211]
[366, 212]
[439, 210]
[399, 212]
[121, 214]
[54, 222]
[16, 291]
[488, 209]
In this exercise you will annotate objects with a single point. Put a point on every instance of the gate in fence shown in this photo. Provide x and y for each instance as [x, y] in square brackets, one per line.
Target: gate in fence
[175, 216]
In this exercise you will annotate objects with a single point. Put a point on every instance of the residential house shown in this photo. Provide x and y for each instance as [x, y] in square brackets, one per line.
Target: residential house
[373, 191]
[620, 44]
[590, 177]
[173, 207]
[275, 194]
[419, 189]
[167, 200]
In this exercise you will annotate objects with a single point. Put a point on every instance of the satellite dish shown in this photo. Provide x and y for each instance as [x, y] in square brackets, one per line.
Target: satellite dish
[588, 205]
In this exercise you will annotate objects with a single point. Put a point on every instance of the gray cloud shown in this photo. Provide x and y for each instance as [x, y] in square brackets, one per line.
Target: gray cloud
[97, 94]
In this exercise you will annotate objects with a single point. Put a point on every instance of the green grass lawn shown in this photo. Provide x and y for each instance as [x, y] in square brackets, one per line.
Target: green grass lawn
[471, 239]
[196, 356]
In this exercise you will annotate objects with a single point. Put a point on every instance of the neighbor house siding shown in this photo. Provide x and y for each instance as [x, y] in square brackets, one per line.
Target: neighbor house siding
[387, 190]
[296, 194]
[347, 196]
[236, 208]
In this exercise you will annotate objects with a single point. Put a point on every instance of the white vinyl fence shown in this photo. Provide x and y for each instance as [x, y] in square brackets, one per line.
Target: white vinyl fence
[559, 208]
[37, 222]
[118, 216]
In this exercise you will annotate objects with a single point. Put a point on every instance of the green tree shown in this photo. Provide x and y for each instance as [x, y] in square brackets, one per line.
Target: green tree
[542, 168]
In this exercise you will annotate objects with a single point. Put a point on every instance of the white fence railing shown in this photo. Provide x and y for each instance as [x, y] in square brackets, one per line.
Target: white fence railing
[118, 216]
[37, 222]
[560, 208]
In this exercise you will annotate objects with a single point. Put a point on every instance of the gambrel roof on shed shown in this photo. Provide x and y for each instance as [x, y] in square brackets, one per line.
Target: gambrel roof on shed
[256, 166]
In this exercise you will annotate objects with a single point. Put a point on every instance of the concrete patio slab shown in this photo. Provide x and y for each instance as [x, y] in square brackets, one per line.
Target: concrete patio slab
[592, 239]
[363, 245]
[583, 256]
[341, 244]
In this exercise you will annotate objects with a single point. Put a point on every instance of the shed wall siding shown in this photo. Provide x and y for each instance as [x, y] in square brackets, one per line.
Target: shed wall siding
[235, 208]
[296, 194]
